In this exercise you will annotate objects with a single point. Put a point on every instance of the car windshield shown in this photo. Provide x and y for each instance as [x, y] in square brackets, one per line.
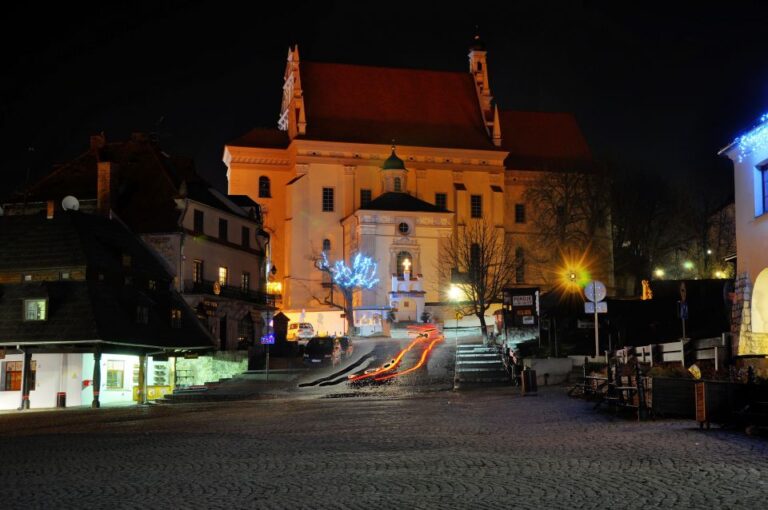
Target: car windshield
[320, 345]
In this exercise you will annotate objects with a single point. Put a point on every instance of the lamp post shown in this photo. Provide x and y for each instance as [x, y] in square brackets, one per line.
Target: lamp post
[454, 294]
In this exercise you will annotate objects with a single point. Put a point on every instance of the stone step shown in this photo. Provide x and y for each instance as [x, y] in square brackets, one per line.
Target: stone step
[478, 355]
[479, 362]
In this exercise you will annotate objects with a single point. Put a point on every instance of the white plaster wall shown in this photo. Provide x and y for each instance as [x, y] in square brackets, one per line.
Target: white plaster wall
[107, 396]
[751, 231]
[55, 373]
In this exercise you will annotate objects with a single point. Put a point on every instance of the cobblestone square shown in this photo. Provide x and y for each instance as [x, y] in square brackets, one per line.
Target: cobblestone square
[483, 448]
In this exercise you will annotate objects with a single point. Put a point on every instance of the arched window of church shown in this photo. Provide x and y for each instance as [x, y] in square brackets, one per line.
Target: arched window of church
[398, 184]
[474, 257]
[402, 257]
[264, 191]
[326, 245]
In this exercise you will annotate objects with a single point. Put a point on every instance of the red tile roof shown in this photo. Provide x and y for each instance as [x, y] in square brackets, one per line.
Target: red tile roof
[270, 138]
[541, 141]
[366, 104]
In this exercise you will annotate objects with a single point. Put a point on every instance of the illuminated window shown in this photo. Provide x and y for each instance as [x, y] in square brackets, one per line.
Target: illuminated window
[197, 271]
[12, 371]
[35, 309]
[365, 197]
[176, 318]
[27, 277]
[223, 276]
[476, 206]
[115, 374]
[199, 221]
[398, 185]
[328, 199]
[402, 257]
[441, 200]
[65, 276]
[264, 185]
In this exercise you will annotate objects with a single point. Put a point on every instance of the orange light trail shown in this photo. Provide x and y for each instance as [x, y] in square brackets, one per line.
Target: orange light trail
[382, 370]
[422, 360]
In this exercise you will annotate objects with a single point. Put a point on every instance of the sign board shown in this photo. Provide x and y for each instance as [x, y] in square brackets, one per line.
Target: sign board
[585, 324]
[602, 307]
[2, 353]
[268, 339]
[521, 306]
[682, 310]
[595, 291]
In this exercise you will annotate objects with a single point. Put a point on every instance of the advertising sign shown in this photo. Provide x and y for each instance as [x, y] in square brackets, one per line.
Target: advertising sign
[521, 307]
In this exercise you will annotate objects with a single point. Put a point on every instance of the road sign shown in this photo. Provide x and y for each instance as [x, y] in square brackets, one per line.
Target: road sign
[268, 339]
[682, 310]
[602, 307]
[595, 291]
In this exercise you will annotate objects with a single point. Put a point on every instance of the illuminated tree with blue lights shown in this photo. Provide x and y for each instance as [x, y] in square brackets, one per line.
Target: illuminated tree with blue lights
[361, 275]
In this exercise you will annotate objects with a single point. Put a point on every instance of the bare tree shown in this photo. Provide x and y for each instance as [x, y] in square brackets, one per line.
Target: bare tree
[360, 275]
[480, 260]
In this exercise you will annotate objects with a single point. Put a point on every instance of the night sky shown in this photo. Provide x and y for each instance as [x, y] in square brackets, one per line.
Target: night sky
[655, 86]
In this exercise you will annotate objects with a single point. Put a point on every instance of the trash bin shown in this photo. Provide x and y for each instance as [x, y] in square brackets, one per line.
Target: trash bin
[528, 378]
[61, 399]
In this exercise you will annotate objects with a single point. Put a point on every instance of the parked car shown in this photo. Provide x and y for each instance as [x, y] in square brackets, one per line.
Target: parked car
[347, 348]
[300, 332]
[322, 351]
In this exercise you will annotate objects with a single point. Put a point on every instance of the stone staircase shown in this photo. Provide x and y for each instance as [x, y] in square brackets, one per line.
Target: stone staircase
[476, 363]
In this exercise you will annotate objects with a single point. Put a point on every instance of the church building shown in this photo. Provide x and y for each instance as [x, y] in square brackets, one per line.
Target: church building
[387, 162]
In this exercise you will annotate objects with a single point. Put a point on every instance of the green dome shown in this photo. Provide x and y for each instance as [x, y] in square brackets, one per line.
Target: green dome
[393, 162]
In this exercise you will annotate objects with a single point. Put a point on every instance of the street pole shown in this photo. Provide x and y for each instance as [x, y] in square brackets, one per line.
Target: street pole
[597, 336]
[267, 362]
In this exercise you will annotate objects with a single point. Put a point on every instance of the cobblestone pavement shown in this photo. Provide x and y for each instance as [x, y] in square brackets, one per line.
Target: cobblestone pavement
[483, 448]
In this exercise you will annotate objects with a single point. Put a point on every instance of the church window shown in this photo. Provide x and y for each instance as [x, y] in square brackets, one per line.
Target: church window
[401, 258]
[441, 200]
[365, 197]
[519, 213]
[328, 199]
[264, 187]
[403, 228]
[519, 265]
[398, 185]
[474, 257]
[326, 245]
[476, 206]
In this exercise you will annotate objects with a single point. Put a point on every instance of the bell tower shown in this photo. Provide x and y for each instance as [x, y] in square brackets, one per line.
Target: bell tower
[478, 68]
[394, 174]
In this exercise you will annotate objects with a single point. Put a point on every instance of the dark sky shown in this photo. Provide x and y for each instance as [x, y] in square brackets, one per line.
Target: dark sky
[655, 86]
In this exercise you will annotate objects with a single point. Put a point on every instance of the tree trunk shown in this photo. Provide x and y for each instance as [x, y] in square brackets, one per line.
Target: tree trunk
[349, 312]
[481, 316]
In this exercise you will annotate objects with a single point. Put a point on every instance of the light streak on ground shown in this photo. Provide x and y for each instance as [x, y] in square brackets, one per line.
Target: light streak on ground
[422, 360]
[425, 333]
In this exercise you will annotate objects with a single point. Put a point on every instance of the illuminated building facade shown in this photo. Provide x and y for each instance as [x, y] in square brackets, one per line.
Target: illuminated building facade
[389, 162]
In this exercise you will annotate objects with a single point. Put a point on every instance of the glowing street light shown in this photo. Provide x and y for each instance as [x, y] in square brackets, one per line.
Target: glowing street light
[719, 274]
[688, 265]
[658, 272]
[454, 293]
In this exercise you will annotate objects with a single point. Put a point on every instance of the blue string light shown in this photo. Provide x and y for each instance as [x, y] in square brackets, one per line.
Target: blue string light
[362, 274]
[754, 139]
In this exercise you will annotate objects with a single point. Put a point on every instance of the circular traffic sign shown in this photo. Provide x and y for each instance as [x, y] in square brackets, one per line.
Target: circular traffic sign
[595, 291]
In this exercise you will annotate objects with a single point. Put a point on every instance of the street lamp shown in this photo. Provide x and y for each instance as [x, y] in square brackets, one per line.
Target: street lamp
[659, 273]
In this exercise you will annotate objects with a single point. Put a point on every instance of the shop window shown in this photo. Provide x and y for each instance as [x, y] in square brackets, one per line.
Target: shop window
[12, 373]
[115, 374]
[35, 309]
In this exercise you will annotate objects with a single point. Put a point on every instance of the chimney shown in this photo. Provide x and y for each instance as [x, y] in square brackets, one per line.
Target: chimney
[105, 187]
[50, 208]
[98, 141]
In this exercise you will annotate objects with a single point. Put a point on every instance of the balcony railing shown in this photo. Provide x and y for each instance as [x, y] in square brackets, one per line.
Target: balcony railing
[229, 292]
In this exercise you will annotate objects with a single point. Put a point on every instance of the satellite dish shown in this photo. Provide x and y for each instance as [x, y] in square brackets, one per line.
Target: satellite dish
[70, 203]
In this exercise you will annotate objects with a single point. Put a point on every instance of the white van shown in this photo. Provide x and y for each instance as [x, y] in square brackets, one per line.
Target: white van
[300, 332]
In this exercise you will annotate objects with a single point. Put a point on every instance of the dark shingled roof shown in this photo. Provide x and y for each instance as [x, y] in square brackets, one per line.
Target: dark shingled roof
[93, 311]
[543, 141]
[393, 201]
[148, 182]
